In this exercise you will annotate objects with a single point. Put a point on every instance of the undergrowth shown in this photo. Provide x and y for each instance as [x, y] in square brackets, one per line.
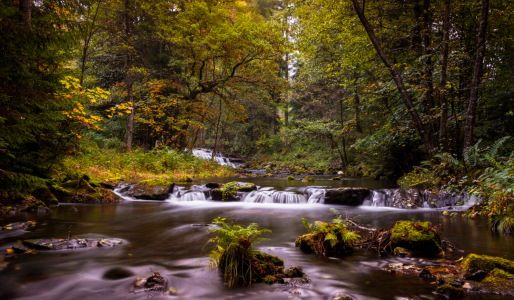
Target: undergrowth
[140, 164]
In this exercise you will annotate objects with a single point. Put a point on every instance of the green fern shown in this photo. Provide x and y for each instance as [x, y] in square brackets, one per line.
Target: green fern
[493, 149]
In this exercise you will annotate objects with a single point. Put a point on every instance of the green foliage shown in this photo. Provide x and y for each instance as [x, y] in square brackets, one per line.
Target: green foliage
[233, 253]
[327, 238]
[416, 236]
[473, 262]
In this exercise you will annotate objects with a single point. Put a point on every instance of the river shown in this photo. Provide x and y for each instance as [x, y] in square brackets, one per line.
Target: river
[161, 236]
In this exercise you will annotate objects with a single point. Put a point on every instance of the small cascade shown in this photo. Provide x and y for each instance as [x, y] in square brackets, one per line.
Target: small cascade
[315, 195]
[219, 157]
[274, 197]
[380, 198]
[193, 196]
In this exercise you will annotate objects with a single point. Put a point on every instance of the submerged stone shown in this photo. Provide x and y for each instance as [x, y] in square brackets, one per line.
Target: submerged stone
[117, 273]
[346, 196]
[419, 237]
[65, 244]
[212, 185]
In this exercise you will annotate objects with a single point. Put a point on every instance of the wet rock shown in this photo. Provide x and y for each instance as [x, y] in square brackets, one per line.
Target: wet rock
[140, 282]
[80, 191]
[185, 178]
[451, 292]
[228, 192]
[20, 225]
[296, 281]
[402, 198]
[425, 274]
[401, 252]
[20, 249]
[64, 244]
[474, 263]
[419, 237]
[477, 276]
[212, 185]
[73, 209]
[152, 189]
[117, 273]
[155, 283]
[346, 196]
[294, 271]
[342, 296]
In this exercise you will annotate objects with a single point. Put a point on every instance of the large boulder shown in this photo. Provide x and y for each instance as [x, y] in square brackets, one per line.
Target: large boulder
[421, 237]
[152, 189]
[346, 196]
[228, 192]
[474, 263]
[80, 191]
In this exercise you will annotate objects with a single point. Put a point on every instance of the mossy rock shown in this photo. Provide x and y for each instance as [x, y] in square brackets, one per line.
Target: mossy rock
[308, 179]
[346, 196]
[290, 178]
[152, 189]
[336, 178]
[304, 242]
[402, 252]
[473, 263]
[80, 191]
[228, 192]
[416, 237]
[185, 178]
[268, 170]
[450, 291]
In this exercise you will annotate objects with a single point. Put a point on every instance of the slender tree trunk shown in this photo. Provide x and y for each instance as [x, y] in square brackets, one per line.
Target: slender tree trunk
[429, 67]
[129, 81]
[397, 78]
[356, 103]
[344, 159]
[286, 104]
[26, 12]
[216, 136]
[477, 74]
[442, 83]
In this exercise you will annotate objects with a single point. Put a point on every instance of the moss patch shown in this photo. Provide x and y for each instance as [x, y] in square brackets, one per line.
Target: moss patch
[290, 178]
[336, 178]
[416, 236]
[229, 190]
[185, 178]
[473, 262]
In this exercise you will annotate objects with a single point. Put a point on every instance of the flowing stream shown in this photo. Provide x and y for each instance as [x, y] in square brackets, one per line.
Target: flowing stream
[169, 237]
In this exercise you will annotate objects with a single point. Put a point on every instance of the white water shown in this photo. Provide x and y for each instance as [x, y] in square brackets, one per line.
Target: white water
[265, 196]
[218, 157]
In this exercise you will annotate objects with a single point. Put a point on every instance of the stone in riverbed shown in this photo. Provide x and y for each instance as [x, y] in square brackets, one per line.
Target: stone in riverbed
[64, 244]
[419, 237]
[154, 283]
[212, 185]
[228, 192]
[342, 296]
[117, 273]
[346, 196]
[152, 189]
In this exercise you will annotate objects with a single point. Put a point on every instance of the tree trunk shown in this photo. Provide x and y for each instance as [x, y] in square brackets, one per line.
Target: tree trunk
[397, 79]
[442, 83]
[26, 12]
[477, 74]
[129, 78]
[428, 68]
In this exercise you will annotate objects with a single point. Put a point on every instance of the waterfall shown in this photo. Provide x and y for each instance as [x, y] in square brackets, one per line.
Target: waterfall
[219, 157]
[274, 197]
[315, 195]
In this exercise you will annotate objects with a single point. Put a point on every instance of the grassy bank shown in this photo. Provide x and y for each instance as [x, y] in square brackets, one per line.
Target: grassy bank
[104, 163]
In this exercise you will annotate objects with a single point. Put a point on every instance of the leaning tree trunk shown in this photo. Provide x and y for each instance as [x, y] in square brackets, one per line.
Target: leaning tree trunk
[477, 74]
[396, 77]
[442, 83]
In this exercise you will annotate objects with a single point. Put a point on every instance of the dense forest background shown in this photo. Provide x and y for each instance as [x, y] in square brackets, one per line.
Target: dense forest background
[370, 87]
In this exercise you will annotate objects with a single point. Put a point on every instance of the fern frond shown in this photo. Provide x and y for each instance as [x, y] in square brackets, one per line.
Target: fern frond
[448, 158]
[493, 149]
